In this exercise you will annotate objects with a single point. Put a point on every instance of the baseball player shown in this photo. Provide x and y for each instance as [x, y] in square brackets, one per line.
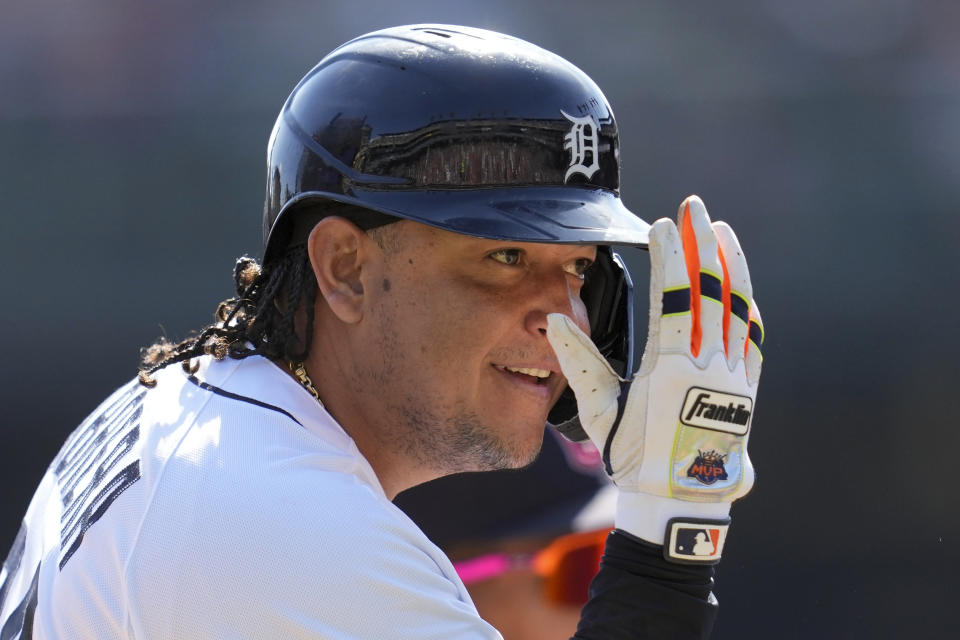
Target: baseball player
[437, 270]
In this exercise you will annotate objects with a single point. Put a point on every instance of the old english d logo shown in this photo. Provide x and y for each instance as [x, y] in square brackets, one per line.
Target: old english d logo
[582, 142]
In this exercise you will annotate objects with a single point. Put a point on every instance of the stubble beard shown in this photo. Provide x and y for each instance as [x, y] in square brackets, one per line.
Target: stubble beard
[457, 443]
[443, 440]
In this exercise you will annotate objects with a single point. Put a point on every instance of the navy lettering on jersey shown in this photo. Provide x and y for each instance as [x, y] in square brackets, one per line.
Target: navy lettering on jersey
[12, 564]
[20, 622]
[96, 465]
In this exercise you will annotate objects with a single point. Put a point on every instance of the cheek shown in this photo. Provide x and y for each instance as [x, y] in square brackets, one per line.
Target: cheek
[442, 321]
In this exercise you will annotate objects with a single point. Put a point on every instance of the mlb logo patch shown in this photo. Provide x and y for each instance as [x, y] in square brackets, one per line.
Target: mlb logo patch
[695, 542]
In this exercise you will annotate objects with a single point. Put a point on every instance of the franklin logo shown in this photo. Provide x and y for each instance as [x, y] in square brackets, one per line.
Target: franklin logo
[708, 467]
[582, 143]
[717, 411]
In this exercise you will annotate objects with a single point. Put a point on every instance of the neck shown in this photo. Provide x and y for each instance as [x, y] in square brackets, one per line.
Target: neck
[356, 411]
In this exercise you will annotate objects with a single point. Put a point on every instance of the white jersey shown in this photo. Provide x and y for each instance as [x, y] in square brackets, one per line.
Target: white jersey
[223, 504]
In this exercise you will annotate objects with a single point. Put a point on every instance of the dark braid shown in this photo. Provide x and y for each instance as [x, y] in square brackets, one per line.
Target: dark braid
[260, 320]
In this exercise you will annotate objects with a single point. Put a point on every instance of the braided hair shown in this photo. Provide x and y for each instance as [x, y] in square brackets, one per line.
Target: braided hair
[259, 320]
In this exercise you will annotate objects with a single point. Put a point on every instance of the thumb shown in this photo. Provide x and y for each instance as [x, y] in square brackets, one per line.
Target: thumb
[593, 381]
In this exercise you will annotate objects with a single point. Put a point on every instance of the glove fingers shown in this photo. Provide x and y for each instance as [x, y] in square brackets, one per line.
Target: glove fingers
[737, 293]
[669, 293]
[589, 375]
[706, 279]
[754, 355]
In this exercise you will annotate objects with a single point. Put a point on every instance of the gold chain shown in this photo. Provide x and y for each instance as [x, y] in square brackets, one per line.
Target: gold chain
[301, 373]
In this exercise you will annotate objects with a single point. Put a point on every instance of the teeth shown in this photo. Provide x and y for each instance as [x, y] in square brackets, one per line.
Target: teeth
[537, 373]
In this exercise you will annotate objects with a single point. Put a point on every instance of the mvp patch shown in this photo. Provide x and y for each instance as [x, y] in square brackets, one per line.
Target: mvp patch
[708, 467]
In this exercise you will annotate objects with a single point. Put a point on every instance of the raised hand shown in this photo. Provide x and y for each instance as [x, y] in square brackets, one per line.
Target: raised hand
[674, 436]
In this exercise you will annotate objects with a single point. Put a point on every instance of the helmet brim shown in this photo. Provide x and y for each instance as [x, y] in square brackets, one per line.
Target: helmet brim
[557, 215]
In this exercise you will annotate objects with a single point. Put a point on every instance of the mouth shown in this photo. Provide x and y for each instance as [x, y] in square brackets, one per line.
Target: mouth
[528, 375]
[542, 384]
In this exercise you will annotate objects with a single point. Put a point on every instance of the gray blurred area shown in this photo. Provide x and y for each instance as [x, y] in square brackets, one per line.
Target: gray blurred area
[827, 132]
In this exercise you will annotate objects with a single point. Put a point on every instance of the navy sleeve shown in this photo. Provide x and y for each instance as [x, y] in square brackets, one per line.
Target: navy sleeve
[638, 594]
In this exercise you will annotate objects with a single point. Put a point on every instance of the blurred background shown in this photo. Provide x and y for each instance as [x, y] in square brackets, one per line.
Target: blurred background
[132, 147]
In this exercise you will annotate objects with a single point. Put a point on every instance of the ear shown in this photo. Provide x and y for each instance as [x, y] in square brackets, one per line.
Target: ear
[339, 251]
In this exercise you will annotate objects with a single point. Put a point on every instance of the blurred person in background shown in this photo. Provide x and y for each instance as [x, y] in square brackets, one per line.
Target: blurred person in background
[525, 542]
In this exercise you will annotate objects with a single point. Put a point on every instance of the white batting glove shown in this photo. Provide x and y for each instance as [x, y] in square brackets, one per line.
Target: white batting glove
[674, 437]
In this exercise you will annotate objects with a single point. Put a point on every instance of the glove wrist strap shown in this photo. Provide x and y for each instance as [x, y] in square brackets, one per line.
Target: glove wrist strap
[646, 516]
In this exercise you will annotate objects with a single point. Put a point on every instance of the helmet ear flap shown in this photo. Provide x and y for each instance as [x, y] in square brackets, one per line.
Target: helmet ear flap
[565, 419]
[608, 295]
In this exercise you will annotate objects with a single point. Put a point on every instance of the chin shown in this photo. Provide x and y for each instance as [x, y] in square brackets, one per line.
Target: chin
[523, 452]
[466, 442]
[523, 460]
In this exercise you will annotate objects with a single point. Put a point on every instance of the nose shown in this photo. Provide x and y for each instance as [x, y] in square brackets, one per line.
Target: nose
[555, 294]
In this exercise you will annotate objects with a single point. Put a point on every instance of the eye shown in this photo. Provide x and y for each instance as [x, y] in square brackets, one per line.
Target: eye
[507, 256]
[578, 267]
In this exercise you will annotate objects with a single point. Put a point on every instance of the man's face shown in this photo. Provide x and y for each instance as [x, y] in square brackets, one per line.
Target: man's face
[455, 344]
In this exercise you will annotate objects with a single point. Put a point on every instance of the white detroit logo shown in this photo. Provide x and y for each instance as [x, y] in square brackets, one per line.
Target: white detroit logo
[582, 142]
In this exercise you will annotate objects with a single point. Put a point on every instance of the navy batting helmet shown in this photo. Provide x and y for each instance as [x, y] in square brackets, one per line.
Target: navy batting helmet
[463, 129]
